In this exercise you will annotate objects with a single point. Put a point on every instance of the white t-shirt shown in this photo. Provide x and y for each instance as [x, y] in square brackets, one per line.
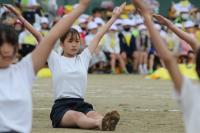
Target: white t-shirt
[189, 100]
[111, 44]
[15, 96]
[26, 37]
[89, 38]
[69, 74]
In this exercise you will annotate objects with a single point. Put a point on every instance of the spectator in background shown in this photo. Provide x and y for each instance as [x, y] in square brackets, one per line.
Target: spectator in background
[185, 47]
[153, 5]
[98, 60]
[44, 22]
[127, 43]
[27, 42]
[29, 4]
[83, 25]
[7, 17]
[30, 10]
[183, 4]
[172, 13]
[142, 49]
[182, 10]
[99, 21]
[195, 15]
[112, 49]
[97, 13]
[173, 41]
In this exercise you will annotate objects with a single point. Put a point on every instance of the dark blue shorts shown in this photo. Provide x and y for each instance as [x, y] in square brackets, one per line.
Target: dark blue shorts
[10, 132]
[152, 51]
[61, 106]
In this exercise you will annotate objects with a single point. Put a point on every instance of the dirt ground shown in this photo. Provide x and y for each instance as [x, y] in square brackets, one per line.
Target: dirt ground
[145, 106]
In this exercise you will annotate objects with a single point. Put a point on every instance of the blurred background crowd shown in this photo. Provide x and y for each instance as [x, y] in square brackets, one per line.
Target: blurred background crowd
[126, 48]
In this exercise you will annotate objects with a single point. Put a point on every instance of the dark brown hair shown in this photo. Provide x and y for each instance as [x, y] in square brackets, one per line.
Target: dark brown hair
[9, 35]
[72, 33]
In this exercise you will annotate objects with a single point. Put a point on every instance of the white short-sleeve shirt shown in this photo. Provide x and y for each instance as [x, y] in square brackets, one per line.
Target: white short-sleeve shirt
[69, 74]
[15, 96]
[189, 100]
[107, 47]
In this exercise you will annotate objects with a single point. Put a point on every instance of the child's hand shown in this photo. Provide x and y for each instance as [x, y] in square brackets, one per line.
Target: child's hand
[118, 10]
[141, 7]
[84, 2]
[162, 20]
[12, 9]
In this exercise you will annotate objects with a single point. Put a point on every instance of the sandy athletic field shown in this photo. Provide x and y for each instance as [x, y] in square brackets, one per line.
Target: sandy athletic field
[146, 106]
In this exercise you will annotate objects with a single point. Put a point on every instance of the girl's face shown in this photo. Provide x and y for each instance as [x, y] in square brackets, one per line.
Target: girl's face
[7, 54]
[44, 26]
[71, 45]
[18, 27]
[127, 28]
[94, 31]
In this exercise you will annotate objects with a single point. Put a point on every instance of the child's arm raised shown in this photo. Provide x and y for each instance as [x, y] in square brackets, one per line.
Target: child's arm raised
[26, 24]
[164, 53]
[183, 35]
[94, 43]
[42, 51]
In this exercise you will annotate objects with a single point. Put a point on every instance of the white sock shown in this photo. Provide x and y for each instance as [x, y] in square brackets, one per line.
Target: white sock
[141, 69]
[145, 69]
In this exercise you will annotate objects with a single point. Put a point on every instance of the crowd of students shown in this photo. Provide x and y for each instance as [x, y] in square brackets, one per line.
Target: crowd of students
[136, 41]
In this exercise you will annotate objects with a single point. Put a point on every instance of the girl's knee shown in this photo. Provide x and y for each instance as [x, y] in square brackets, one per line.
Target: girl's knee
[112, 56]
[74, 115]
